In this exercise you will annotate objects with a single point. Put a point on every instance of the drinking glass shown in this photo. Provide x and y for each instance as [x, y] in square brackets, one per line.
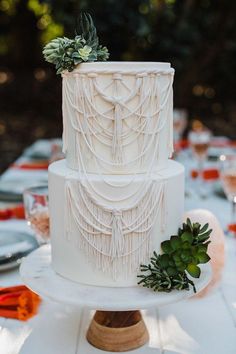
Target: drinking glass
[37, 212]
[200, 141]
[180, 123]
[228, 178]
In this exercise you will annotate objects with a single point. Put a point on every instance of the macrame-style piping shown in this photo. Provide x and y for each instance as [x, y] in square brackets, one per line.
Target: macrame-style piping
[116, 239]
[112, 238]
[82, 96]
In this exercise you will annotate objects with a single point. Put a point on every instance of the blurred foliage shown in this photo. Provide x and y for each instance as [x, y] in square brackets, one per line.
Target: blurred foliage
[198, 37]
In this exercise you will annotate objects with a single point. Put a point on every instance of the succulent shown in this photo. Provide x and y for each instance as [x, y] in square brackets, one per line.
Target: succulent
[181, 255]
[67, 53]
[200, 234]
[160, 279]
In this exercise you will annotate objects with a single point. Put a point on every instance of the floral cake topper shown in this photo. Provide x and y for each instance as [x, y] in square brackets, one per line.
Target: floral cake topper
[67, 53]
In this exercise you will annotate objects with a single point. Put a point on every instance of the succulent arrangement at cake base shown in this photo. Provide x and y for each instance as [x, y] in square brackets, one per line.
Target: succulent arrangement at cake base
[181, 257]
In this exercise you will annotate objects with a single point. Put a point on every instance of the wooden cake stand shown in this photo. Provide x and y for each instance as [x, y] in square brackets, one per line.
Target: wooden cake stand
[117, 325]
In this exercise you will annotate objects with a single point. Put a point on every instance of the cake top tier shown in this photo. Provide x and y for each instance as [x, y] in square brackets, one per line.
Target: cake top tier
[122, 66]
[118, 117]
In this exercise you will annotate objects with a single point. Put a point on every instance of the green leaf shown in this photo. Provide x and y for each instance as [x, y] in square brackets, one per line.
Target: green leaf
[175, 242]
[204, 228]
[77, 61]
[196, 226]
[187, 237]
[181, 268]
[166, 247]
[205, 236]
[186, 245]
[188, 221]
[92, 57]
[88, 30]
[171, 271]
[203, 257]
[193, 270]
[164, 260]
[176, 257]
[185, 258]
[75, 55]
[202, 248]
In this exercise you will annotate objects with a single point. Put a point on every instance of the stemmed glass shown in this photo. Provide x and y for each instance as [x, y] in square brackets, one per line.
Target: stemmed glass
[37, 212]
[200, 141]
[228, 178]
[180, 123]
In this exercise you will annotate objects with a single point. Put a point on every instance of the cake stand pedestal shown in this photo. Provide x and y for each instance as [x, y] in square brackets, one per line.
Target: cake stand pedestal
[117, 325]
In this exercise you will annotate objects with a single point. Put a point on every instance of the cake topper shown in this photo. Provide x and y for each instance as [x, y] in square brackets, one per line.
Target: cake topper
[67, 53]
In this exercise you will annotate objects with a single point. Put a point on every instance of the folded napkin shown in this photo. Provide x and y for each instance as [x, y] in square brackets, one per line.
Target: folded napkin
[43, 165]
[207, 174]
[232, 228]
[15, 212]
[181, 144]
[18, 302]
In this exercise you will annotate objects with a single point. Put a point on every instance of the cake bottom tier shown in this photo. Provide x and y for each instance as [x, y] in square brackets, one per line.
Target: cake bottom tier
[103, 228]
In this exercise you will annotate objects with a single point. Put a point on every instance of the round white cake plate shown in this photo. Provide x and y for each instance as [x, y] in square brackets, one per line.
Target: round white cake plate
[37, 273]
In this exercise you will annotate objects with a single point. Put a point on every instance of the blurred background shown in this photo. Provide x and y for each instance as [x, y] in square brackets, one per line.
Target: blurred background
[198, 37]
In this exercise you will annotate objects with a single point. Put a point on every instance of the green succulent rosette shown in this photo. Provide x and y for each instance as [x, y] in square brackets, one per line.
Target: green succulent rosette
[181, 256]
[66, 53]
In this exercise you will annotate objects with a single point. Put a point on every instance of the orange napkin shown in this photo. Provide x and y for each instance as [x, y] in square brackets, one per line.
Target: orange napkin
[232, 228]
[42, 165]
[18, 302]
[181, 145]
[16, 212]
[207, 174]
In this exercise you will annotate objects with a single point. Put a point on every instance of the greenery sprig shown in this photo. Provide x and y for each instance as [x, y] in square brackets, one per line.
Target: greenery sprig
[181, 256]
[67, 53]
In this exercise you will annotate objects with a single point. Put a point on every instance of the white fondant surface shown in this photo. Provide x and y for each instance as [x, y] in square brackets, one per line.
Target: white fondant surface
[78, 95]
[68, 259]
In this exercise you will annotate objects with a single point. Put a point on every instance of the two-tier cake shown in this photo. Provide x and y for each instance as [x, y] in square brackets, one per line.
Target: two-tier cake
[117, 195]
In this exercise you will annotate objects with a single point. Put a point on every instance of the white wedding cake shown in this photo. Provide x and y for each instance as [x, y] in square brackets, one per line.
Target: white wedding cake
[117, 195]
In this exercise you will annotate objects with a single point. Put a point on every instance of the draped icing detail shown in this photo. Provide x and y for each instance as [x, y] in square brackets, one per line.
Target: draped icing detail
[129, 114]
[115, 116]
[117, 155]
[117, 241]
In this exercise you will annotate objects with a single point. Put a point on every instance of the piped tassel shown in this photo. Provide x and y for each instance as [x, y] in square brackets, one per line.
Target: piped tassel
[65, 128]
[117, 238]
[170, 145]
[67, 218]
[163, 209]
[117, 141]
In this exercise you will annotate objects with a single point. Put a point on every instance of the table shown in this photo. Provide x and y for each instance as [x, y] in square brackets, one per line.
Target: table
[199, 326]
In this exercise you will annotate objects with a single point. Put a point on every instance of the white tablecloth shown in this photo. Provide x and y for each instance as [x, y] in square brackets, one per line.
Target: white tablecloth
[202, 326]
